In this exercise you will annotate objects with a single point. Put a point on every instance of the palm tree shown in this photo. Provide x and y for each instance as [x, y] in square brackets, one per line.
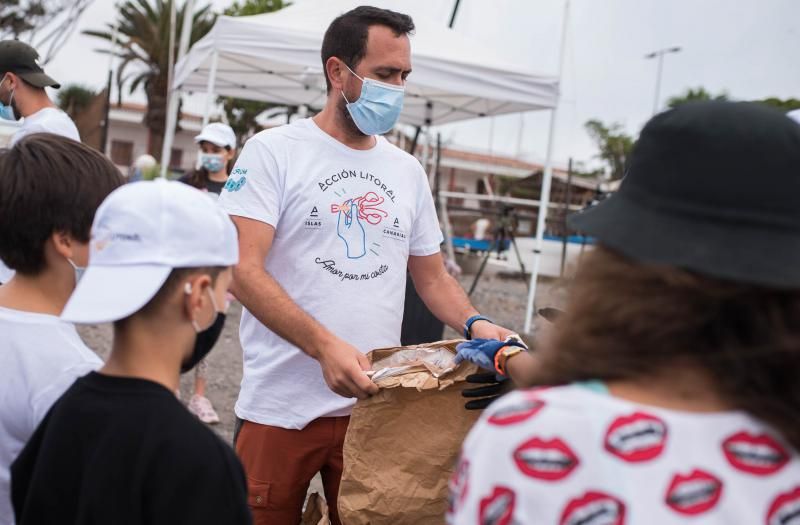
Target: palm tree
[74, 99]
[143, 40]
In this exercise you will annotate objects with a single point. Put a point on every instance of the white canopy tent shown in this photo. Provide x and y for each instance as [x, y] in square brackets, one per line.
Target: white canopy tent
[275, 57]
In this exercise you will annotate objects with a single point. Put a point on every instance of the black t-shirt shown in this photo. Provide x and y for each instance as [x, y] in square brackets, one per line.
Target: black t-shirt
[209, 185]
[126, 451]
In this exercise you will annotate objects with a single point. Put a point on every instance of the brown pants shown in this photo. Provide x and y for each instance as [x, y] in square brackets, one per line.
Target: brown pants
[280, 463]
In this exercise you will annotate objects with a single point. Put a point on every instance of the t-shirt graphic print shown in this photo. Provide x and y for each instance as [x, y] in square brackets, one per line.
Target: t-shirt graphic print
[345, 222]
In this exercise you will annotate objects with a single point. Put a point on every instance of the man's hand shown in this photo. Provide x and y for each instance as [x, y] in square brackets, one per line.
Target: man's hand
[343, 368]
[485, 330]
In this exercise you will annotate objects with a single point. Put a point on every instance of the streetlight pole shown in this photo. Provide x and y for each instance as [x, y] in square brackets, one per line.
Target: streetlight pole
[660, 55]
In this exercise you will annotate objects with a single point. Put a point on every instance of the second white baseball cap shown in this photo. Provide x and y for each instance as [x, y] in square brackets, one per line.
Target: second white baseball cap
[140, 233]
[219, 134]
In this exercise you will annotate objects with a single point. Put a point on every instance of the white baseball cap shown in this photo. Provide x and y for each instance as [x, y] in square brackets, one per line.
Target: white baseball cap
[794, 115]
[140, 233]
[219, 134]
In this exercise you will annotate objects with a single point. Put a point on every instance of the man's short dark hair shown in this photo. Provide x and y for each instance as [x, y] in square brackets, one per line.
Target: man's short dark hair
[346, 37]
[48, 184]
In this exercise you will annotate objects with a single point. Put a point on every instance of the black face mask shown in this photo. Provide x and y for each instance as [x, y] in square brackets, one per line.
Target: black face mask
[204, 342]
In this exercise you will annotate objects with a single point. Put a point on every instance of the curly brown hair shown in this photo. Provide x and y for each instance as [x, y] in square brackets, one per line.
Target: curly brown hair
[628, 319]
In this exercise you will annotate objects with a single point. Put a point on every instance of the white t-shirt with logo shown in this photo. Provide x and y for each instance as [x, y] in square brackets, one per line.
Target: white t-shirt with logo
[572, 456]
[40, 357]
[47, 120]
[345, 223]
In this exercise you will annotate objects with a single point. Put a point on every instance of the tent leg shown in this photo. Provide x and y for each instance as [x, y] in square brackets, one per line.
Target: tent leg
[544, 199]
[212, 80]
[544, 202]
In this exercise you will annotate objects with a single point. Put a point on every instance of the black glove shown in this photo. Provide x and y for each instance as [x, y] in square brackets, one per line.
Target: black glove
[492, 387]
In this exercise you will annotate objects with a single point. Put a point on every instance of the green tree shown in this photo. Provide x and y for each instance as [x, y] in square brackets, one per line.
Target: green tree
[143, 40]
[694, 94]
[241, 113]
[787, 104]
[74, 98]
[614, 144]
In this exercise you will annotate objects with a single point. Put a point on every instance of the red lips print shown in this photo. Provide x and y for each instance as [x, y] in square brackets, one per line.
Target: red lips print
[549, 460]
[516, 413]
[498, 508]
[635, 438]
[761, 455]
[694, 494]
[458, 485]
[594, 508]
[785, 510]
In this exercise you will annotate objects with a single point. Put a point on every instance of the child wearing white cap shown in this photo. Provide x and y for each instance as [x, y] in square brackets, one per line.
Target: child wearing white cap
[50, 187]
[217, 143]
[118, 447]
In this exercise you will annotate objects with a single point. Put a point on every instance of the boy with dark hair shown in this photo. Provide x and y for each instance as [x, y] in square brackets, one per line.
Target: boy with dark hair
[118, 447]
[50, 187]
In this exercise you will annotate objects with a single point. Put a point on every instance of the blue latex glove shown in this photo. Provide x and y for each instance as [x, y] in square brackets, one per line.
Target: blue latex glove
[479, 351]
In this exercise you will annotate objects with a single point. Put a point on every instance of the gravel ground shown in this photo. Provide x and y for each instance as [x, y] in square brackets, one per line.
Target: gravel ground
[499, 297]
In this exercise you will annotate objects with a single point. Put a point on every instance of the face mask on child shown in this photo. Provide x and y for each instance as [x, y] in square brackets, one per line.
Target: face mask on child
[213, 162]
[206, 338]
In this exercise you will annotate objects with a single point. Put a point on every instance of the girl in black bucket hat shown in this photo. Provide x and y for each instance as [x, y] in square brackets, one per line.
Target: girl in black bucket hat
[679, 354]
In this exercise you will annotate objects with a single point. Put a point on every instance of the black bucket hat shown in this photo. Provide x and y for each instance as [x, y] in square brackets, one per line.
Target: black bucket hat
[23, 60]
[712, 187]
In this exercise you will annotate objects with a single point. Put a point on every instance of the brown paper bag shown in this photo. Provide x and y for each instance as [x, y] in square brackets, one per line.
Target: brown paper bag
[402, 444]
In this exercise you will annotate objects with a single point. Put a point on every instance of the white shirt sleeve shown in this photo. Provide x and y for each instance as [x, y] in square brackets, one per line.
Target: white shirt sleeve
[44, 399]
[255, 187]
[426, 236]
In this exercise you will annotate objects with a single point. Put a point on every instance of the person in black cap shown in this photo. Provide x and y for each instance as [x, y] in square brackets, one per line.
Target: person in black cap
[22, 94]
[678, 356]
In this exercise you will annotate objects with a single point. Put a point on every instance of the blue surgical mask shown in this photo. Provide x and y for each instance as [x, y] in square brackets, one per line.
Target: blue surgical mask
[377, 109]
[213, 162]
[79, 271]
[6, 111]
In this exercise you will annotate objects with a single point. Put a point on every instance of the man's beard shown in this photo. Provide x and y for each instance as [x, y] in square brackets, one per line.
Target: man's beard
[348, 125]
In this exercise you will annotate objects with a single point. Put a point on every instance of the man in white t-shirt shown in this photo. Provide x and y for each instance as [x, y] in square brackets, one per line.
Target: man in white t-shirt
[22, 94]
[330, 215]
[41, 355]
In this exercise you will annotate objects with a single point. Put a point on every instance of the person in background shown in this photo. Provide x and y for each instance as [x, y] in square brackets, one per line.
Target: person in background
[140, 167]
[679, 352]
[118, 447]
[22, 94]
[217, 143]
[50, 188]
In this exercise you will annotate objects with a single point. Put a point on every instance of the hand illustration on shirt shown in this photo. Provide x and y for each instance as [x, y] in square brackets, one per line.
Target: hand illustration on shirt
[351, 231]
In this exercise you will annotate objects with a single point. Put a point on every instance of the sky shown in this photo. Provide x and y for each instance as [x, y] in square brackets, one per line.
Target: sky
[746, 48]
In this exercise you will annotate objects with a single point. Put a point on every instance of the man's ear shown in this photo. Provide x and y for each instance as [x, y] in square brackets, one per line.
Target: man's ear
[336, 72]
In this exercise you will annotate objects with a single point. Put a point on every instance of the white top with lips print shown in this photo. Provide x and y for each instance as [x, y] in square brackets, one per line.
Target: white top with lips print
[345, 224]
[571, 456]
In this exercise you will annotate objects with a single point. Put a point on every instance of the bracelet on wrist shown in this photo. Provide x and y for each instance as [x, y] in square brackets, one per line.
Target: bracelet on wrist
[472, 320]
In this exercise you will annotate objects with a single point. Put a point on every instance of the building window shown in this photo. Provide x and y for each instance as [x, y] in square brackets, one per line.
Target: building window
[121, 152]
[176, 158]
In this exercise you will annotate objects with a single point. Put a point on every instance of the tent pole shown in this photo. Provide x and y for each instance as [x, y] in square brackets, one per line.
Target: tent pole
[212, 80]
[174, 94]
[546, 182]
[414, 141]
